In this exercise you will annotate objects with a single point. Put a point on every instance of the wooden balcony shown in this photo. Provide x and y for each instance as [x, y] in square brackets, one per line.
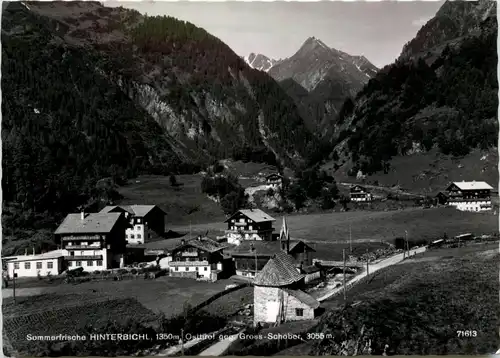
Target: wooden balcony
[83, 247]
[188, 263]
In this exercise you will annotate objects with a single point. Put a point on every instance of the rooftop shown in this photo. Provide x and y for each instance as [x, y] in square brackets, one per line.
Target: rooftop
[304, 298]
[261, 248]
[279, 271]
[98, 223]
[204, 243]
[136, 210]
[45, 256]
[473, 185]
[256, 215]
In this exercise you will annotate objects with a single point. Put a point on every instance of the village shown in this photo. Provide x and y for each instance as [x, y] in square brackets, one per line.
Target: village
[288, 280]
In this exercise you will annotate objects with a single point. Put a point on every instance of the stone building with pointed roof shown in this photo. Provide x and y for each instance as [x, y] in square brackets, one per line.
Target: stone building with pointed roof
[277, 293]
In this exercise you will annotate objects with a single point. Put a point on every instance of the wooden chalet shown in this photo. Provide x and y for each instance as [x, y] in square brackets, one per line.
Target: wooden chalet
[359, 193]
[200, 258]
[93, 241]
[277, 293]
[274, 179]
[249, 224]
[469, 196]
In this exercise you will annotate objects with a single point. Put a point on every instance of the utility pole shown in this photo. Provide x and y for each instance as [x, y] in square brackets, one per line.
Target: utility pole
[350, 238]
[182, 341]
[367, 261]
[190, 231]
[14, 282]
[345, 288]
[255, 262]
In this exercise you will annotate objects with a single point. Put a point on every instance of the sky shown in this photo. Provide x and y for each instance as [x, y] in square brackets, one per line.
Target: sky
[377, 30]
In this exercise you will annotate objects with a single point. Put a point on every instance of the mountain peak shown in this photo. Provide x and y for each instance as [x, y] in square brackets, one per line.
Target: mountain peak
[314, 44]
[259, 61]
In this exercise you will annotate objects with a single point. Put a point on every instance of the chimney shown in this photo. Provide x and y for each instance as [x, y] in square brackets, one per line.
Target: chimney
[82, 215]
[299, 266]
[183, 242]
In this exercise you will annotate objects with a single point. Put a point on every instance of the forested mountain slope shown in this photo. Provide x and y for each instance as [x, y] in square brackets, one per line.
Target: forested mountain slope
[91, 92]
[449, 102]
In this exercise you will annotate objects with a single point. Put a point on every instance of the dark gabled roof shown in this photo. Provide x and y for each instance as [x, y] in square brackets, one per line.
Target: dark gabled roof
[442, 193]
[280, 270]
[256, 215]
[273, 175]
[310, 269]
[358, 186]
[203, 243]
[96, 223]
[304, 298]
[136, 210]
[294, 244]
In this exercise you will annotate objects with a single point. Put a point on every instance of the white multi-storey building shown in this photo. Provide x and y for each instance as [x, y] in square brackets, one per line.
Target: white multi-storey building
[147, 221]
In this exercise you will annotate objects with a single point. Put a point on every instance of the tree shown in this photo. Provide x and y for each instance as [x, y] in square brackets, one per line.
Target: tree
[297, 195]
[173, 180]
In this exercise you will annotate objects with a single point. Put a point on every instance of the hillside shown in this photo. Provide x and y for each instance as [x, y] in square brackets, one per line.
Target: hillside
[328, 75]
[418, 306]
[414, 106]
[92, 92]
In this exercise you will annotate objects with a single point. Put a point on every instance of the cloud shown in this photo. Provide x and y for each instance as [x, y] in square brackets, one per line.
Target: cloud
[420, 21]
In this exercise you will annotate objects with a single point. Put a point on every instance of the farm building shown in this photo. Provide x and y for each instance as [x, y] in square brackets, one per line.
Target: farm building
[249, 224]
[274, 179]
[93, 241]
[147, 222]
[49, 263]
[251, 256]
[469, 196]
[277, 293]
[442, 198]
[198, 258]
[360, 193]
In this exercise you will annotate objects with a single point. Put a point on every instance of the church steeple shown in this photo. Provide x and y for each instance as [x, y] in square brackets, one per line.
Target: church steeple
[284, 237]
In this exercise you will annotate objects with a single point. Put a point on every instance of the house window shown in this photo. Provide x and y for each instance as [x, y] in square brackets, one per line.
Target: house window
[70, 263]
[299, 312]
[139, 236]
[99, 263]
[131, 236]
[139, 221]
[176, 269]
[38, 265]
[27, 265]
[187, 268]
[138, 227]
[16, 265]
[205, 268]
[50, 265]
[78, 264]
[90, 263]
[72, 253]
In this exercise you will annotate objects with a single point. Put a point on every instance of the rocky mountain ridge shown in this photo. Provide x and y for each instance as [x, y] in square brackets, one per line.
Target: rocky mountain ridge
[260, 62]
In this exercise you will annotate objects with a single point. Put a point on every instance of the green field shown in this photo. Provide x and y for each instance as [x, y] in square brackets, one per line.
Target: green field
[375, 226]
[183, 204]
[420, 304]
[165, 295]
